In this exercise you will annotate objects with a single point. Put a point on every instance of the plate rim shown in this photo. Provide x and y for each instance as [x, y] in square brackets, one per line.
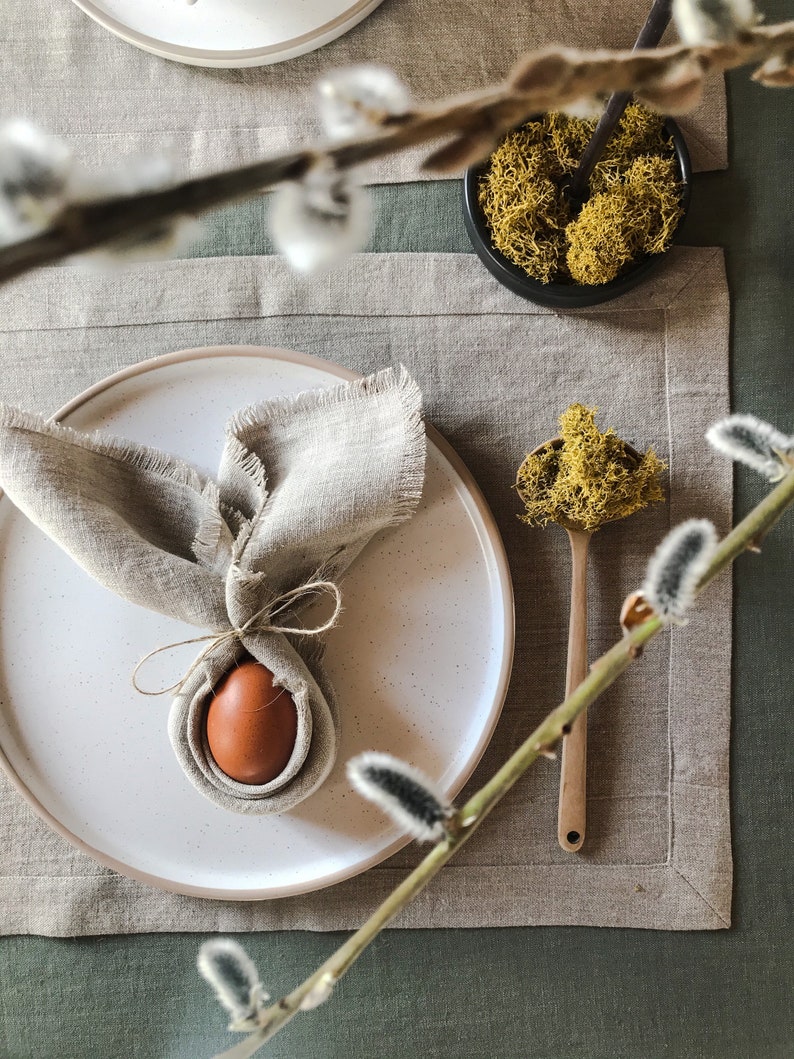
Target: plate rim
[231, 58]
[508, 622]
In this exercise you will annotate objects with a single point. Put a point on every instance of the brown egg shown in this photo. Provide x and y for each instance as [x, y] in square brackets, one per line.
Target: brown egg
[251, 726]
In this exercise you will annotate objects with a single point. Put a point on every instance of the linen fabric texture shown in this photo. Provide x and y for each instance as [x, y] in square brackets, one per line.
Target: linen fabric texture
[134, 103]
[495, 372]
[304, 483]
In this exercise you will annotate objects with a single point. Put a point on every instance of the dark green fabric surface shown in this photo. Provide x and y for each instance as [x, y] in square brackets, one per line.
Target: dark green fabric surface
[550, 993]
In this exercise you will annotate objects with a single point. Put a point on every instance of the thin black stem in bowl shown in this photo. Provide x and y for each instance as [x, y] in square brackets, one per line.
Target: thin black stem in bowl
[651, 33]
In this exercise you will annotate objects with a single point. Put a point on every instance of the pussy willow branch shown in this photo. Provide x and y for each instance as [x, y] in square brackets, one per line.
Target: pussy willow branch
[541, 81]
[603, 673]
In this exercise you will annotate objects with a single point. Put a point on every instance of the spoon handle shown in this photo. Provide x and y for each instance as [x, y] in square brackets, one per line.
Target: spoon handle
[571, 816]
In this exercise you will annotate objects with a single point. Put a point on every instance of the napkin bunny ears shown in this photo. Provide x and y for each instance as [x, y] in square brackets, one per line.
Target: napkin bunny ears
[304, 483]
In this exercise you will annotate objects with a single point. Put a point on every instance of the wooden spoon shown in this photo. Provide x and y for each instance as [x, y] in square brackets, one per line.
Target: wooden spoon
[572, 809]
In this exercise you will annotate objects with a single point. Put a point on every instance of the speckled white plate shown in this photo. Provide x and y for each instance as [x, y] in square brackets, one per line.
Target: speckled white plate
[420, 661]
[228, 33]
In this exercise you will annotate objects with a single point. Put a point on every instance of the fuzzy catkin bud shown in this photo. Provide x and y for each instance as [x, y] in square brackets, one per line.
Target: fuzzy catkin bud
[402, 792]
[355, 100]
[586, 108]
[319, 993]
[320, 220]
[677, 566]
[753, 442]
[231, 973]
[31, 162]
[777, 72]
[712, 21]
[34, 172]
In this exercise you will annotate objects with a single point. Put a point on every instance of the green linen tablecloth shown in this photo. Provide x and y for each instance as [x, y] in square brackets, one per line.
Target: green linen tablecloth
[550, 993]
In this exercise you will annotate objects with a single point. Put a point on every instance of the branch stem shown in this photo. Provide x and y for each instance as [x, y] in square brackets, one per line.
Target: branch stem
[603, 673]
[541, 81]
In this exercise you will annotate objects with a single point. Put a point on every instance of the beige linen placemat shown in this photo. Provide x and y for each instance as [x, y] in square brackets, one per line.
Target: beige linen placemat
[495, 371]
[109, 98]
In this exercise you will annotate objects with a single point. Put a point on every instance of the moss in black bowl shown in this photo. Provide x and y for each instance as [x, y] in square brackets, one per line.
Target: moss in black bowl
[541, 246]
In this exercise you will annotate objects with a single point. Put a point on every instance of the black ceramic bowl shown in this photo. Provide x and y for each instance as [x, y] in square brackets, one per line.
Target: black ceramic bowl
[564, 295]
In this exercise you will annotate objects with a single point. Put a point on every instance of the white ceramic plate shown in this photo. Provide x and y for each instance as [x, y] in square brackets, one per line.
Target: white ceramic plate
[420, 662]
[228, 33]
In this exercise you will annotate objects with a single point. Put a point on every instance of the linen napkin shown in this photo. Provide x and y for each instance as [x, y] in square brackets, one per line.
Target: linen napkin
[304, 483]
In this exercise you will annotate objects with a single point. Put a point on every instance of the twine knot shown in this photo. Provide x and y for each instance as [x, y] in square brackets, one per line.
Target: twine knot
[261, 622]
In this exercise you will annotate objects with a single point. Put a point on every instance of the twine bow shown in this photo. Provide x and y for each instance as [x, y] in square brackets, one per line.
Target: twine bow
[265, 616]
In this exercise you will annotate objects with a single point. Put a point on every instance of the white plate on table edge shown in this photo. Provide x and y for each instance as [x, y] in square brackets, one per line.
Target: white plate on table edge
[496, 570]
[343, 17]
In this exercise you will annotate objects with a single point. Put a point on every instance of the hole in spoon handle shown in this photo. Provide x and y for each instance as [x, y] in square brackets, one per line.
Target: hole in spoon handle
[571, 815]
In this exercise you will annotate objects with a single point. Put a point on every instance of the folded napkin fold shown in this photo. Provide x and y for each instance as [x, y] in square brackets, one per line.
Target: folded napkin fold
[304, 483]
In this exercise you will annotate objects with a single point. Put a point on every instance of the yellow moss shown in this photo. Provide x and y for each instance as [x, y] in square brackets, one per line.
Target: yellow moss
[639, 131]
[567, 138]
[590, 479]
[634, 217]
[633, 210]
[601, 240]
[653, 181]
[521, 189]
